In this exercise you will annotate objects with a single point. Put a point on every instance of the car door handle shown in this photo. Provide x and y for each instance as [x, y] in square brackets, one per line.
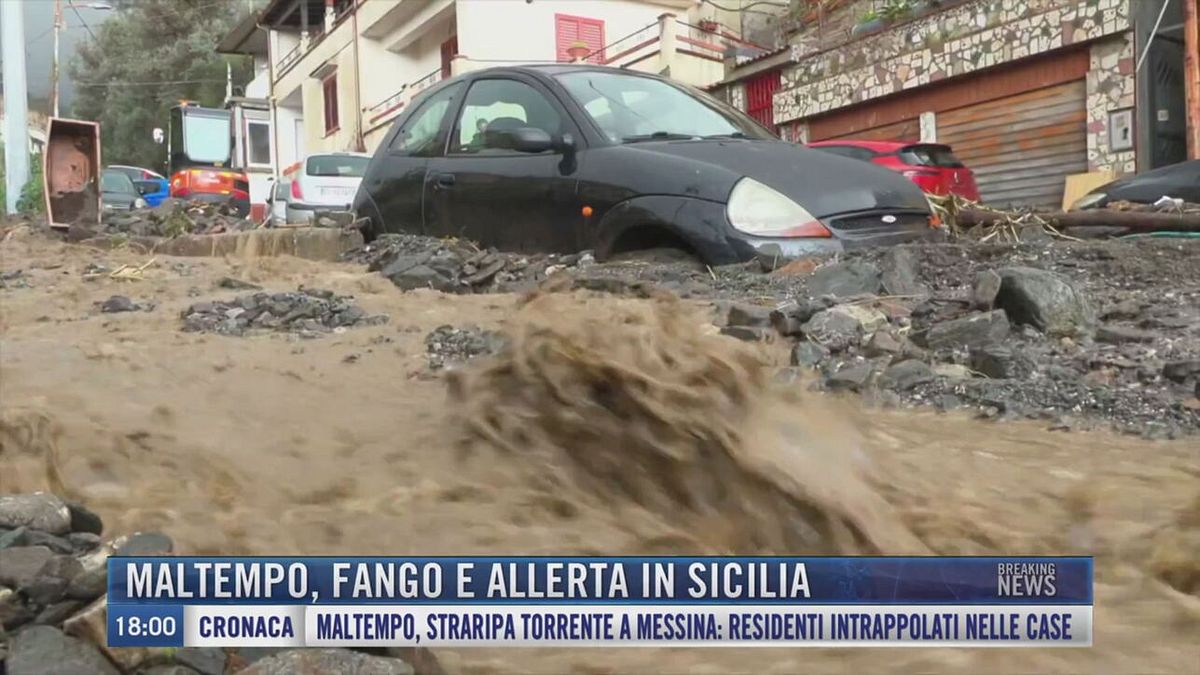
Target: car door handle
[444, 180]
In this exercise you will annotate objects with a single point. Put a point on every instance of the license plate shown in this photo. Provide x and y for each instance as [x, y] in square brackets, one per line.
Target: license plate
[337, 192]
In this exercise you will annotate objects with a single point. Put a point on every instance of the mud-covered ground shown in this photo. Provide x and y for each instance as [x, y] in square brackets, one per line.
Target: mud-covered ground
[322, 429]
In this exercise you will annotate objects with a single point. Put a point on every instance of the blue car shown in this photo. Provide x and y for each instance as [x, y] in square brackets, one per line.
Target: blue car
[153, 186]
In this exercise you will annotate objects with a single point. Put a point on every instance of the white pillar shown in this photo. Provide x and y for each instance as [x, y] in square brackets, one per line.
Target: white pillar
[666, 41]
[16, 106]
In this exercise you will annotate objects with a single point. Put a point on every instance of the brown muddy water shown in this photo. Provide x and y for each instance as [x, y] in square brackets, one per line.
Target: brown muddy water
[612, 426]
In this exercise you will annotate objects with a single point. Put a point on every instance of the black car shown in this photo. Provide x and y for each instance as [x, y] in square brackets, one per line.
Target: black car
[118, 192]
[571, 157]
[1178, 181]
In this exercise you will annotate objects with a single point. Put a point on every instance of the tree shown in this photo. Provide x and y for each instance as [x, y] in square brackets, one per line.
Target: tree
[145, 59]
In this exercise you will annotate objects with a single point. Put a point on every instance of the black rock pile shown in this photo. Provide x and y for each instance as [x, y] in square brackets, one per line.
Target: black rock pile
[308, 312]
[1012, 332]
[457, 266]
[53, 607]
[176, 217]
[448, 346]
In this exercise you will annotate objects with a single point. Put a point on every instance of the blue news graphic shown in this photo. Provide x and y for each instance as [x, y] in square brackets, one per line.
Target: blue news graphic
[625, 581]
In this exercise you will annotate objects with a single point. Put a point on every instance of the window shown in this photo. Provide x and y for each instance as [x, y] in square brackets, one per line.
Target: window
[342, 166]
[847, 151]
[569, 30]
[258, 143]
[630, 108]
[329, 90]
[501, 105]
[206, 137]
[420, 137]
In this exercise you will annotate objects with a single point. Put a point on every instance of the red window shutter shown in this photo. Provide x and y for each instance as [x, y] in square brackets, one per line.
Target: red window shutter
[571, 29]
[760, 98]
[329, 90]
[449, 51]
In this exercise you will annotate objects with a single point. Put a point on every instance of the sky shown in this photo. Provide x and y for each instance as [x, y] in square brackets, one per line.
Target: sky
[39, 43]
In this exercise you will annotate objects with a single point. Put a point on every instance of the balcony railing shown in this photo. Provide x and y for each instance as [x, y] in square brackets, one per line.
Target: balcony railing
[710, 39]
[389, 107]
[289, 59]
[623, 51]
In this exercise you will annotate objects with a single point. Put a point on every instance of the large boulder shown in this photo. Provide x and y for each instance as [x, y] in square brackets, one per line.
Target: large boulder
[842, 280]
[900, 272]
[839, 327]
[38, 511]
[1043, 300]
[45, 650]
[969, 331]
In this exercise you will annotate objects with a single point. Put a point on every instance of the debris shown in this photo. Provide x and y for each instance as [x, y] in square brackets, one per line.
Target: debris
[449, 345]
[118, 303]
[308, 312]
[846, 279]
[976, 329]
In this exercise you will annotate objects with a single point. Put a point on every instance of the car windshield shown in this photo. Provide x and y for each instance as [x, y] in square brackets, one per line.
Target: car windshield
[115, 181]
[206, 138]
[629, 108]
[346, 166]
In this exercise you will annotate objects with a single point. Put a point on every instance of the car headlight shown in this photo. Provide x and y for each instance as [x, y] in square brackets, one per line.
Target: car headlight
[761, 211]
[139, 203]
[1089, 201]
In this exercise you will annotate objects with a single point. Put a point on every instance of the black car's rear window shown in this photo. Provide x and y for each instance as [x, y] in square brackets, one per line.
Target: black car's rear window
[940, 156]
[346, 166]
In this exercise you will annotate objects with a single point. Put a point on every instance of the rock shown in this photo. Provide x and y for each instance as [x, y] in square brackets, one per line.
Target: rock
[449, 345]
[906, 375]
[883, 343]
[12, 537]
[90, 623]
[145, 544]
[88, 584]
[84, 541]
[975, 330]
[899, 272]
[45, 650]
[19, 565]
[846, 279]
[1117, 335]
[797, 268]
[423, 661]
[853, 377]
[952, 371]
[421, 276]
[57, 613]
[327, 661]
[118, 303]
[808, 354]
[84, 520]
[38, 511]
[203, 660]
[744, 314]
[50, 583]
[1180, 371]
[50, 541]
[167, 669]
[746, 333]
[237, 284]
[789, 319]
[13, 611]
[987, 286]
[1043, 300]
[844, 325]
[994, 361]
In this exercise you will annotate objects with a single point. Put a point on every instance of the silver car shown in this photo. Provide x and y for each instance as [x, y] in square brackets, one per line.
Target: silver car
[326, 182]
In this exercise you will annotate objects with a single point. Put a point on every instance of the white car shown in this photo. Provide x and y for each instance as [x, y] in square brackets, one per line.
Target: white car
[326, 181]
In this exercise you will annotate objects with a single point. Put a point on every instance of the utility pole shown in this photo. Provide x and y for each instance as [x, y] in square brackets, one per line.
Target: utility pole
[16, 105]
[58, 23]
[1191, 74]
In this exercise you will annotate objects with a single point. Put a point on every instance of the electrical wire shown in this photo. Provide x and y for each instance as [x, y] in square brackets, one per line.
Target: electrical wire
[159, 83]
[747, 7]
[80, 17]
[1150, 40]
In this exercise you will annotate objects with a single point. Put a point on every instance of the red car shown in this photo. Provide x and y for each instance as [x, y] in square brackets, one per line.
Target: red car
[933, 167]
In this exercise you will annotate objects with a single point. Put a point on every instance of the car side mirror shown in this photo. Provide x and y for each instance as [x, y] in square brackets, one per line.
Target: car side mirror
[521, 139]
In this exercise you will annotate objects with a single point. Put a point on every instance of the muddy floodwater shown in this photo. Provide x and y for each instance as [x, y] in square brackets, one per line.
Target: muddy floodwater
[615, 426]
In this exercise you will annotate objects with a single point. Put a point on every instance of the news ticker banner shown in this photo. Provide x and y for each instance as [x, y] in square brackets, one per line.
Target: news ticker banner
[591, 602]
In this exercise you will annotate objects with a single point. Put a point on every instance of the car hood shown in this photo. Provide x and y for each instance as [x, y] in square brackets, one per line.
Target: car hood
[822, 183]
[1180, 180]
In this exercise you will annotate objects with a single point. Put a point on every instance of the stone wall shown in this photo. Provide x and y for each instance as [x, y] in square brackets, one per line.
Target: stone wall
[1110, 86]
[954, 42]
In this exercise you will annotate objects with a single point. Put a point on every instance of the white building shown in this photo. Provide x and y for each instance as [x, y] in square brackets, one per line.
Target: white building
[339, 71]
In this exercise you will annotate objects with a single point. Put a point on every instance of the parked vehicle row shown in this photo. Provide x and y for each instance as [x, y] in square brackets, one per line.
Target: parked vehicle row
[572, 157]
[932, 166]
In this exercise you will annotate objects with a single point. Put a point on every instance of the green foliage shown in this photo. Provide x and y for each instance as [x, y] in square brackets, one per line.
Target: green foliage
[153, 41]
[30, 199]
[869, 15]
[896, 10]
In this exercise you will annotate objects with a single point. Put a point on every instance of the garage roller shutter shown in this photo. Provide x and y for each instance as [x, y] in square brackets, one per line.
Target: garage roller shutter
[1021, 147]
